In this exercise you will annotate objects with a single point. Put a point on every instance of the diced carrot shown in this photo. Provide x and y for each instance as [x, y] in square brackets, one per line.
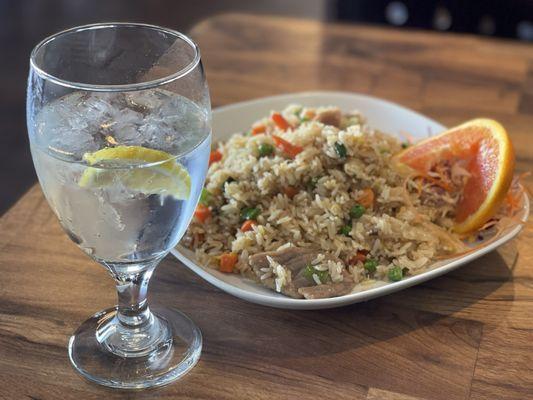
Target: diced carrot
[290, 191]
[215, 156]
[247, 225]
[287, 147]
[366, 199]
[309, 114]
[359, 256]
[280, 122]
[258, 129]
[227, 262]
[202, 213]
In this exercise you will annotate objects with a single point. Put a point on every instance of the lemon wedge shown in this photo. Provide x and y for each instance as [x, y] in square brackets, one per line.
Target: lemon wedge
[164, 178]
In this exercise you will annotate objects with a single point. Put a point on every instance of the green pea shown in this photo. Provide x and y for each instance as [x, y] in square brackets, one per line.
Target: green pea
[265, 149]
[370, 265]
[205, 197]
[250, 213]
[395, 274]
[309, 271]
[346, 229]
[341, 150]
[357, 211]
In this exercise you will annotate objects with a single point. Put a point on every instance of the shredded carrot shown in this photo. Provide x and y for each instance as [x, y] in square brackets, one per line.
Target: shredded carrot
[280, 122]
[366, 199]
[513, 199]
[418, 187]
[287, 147]
[290, 191]
[202, 213]
[441, 182]
[247, 225]
[227, 262]
[258, 129]
[215, 156]
[408, 137]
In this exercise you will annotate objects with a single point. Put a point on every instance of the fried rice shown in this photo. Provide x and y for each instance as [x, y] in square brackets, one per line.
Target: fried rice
[336, 188]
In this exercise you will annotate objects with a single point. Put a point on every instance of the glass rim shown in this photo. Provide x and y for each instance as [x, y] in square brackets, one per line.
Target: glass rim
[122, 87]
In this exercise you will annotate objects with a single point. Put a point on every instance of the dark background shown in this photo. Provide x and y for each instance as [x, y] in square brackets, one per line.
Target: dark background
[25, 22]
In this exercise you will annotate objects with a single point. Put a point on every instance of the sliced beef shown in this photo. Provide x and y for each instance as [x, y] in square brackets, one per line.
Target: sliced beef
[328, 290]
[332, 116]
[296, 259]
[292, 258]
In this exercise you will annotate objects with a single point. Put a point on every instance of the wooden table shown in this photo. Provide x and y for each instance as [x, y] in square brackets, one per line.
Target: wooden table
[468, 334]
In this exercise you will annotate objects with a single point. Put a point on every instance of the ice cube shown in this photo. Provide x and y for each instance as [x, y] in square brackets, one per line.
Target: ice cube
[145, 100]
[84, 122]
[64, 129]
[97, 107]
[125, 127]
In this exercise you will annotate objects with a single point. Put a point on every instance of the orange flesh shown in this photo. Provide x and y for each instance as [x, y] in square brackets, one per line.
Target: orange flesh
[474, 144]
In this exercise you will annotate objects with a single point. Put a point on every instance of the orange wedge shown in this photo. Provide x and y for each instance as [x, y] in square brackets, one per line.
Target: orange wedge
[488, 154]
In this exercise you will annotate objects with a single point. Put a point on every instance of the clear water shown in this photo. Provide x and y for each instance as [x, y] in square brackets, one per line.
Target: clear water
[117, 224]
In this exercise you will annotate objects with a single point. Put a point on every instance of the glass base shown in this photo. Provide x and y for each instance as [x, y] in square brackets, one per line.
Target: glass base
[94, 354]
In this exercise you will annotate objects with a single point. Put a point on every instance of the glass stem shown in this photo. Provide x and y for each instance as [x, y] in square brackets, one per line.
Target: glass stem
[132, 290]
[133, 331]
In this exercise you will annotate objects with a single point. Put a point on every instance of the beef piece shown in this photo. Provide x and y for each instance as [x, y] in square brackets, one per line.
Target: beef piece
[329, 289]
[332, 116]
[295, 260]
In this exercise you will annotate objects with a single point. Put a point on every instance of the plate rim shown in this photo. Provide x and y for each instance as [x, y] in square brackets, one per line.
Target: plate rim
[277, 300]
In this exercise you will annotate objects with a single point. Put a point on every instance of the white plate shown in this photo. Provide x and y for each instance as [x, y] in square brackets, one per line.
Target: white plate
[383, 115]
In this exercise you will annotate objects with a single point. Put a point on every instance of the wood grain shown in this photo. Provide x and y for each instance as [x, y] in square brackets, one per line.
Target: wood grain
[466, 335]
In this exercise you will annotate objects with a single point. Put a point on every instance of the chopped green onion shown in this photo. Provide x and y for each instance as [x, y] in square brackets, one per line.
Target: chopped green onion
[395, 274]
[341, 150]
[205, 197]
[229, 180]
[370, 265]
[265, 149]
[346, 229]
[309, 271]
[304, 119]
[357, 211]
[311, 184]
[250, 213]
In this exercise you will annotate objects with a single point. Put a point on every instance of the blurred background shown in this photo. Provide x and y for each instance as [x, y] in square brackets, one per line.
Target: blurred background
[23, 23]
